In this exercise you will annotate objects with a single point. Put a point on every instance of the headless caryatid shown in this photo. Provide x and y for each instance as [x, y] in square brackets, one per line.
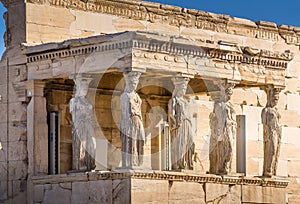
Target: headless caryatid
[131, 127]
[223, 130]
[83, 140]
[272, 132]
[182, 138]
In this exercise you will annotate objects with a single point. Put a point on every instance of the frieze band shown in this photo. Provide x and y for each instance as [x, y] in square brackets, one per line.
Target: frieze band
[160, 175]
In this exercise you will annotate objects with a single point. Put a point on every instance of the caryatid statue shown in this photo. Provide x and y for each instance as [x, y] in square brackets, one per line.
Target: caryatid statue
[223, 130]
[131, 127]
[182, 138]
[272, 132]
[83, 133]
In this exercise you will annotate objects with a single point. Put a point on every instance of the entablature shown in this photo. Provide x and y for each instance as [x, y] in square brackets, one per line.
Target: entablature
[143, 51]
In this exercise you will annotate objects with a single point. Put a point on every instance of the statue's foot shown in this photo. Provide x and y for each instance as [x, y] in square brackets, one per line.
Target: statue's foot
[267, 174]
[223, 172]
[83, 168]
[140, 163]
[93, 167]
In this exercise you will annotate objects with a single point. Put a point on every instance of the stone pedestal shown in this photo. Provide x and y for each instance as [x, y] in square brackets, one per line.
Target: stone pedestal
[134, 186]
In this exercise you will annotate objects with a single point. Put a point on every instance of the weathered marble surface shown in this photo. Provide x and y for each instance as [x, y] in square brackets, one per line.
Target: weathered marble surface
[83, 140]
[180, 122]
[131, 128]
[142, 16]
[157, 187]
[271, 132]
[223, 131]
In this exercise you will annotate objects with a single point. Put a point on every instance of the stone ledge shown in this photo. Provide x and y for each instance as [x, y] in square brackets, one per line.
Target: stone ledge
[152, 41]
[161, 175]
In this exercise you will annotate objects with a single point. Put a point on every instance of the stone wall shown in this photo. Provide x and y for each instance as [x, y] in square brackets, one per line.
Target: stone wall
[290, 116]
[13, 138]
[250, 102]
[117, 16]
[156, 187]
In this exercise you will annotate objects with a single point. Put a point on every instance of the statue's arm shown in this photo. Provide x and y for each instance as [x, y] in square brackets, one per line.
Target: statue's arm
[264, 119]
[71, 105]
[232, 115]
[171, 114]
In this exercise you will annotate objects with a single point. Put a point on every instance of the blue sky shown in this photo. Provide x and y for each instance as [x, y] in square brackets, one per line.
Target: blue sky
[2, 29]
[277, 11]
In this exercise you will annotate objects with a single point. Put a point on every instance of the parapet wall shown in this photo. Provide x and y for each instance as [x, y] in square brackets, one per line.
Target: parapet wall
[82, 18]
[156, 187]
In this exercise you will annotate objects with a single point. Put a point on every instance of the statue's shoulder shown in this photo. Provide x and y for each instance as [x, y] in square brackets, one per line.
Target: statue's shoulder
[218, 105]
[73, 101]
[265, 109]
[265, 115]
[269, 110]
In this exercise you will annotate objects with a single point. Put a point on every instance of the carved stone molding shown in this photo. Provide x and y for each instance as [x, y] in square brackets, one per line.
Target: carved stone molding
[160, 175]
[20, 90]
[138, 50]
[134, 41]
[84, 50]
[176, 16]
[290, 34]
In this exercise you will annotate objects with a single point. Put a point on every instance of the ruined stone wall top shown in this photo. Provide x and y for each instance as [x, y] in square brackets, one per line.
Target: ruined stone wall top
[58, 20]
[181, 17]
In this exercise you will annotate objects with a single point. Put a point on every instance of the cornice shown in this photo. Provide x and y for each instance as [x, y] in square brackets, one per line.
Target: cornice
[161, 175]
[175, 47]
[75, 51]
[176, 16]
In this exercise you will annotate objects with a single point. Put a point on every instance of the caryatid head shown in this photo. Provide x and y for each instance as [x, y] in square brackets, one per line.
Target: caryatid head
[226, 90]
[273, 96]
[229, 91]
[82, 86]
[180, 84]
[132, 80]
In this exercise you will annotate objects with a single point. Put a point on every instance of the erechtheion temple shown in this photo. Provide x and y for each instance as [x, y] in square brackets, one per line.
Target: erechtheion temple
[126, 101]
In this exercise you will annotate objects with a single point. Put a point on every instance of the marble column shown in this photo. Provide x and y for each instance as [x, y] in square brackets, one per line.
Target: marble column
[223, 130]
[180, 123]
[272, 132]
[37, 133]
[37, 129]
[83, 132]
[131, 128]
